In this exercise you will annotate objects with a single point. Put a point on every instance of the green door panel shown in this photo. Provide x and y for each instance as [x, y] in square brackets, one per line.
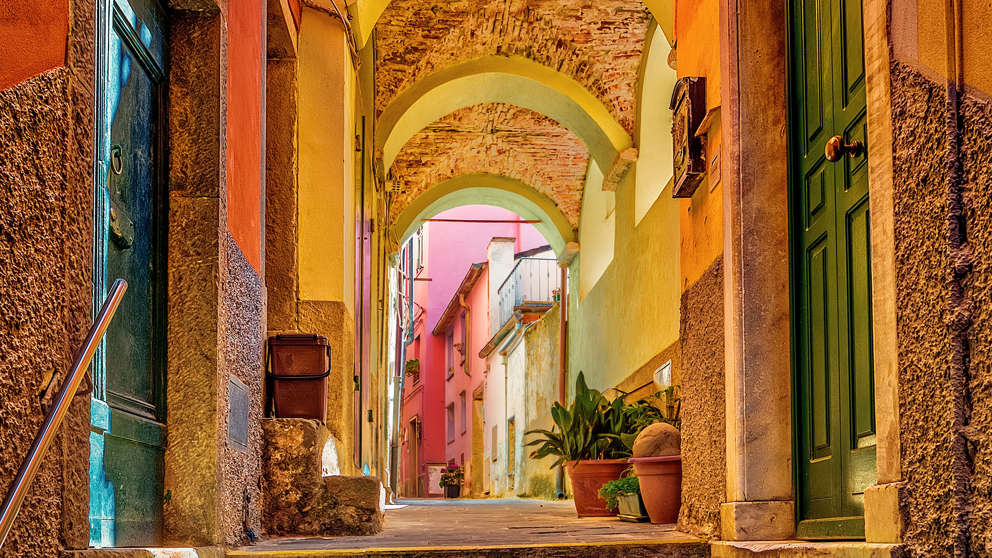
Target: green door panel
[832, 270]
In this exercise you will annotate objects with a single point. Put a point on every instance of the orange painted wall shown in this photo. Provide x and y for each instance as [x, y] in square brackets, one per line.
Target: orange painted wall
[246, 37]
[698, 54]
[33, 38]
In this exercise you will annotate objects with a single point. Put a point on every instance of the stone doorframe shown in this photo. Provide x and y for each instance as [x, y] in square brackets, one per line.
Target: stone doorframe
[760, 499]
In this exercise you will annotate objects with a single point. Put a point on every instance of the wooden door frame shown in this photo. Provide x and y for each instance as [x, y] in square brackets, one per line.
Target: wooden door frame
[760, 499]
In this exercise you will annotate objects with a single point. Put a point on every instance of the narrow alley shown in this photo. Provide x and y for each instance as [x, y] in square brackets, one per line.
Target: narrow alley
[674, 278]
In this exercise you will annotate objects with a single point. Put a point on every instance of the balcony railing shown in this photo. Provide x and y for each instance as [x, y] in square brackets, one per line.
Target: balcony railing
[532, 281]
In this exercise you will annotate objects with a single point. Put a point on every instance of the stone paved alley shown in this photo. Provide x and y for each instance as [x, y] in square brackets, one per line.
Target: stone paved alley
[432, 525]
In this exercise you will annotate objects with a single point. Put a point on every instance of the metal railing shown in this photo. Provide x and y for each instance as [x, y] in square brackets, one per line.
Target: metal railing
[29, 468]
[531, 281]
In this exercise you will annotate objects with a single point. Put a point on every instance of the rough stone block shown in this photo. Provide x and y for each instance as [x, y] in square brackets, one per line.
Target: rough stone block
[758, 521]
[299, 500]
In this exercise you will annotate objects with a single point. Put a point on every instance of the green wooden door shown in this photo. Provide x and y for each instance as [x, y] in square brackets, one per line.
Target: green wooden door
[831, 271]
[135, 250]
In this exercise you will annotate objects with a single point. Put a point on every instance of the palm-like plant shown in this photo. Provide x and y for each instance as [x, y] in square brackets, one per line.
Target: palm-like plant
[590, 428]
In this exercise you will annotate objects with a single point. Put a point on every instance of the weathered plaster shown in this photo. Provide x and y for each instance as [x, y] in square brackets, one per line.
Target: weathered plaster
[702, 387]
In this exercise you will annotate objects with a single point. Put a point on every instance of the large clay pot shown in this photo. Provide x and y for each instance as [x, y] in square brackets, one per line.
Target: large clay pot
[588, 476]
[661, 486]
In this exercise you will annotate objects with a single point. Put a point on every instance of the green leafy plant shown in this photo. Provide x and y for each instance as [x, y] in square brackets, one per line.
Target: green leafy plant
[613, 489]
[589, 428]
[412, 367]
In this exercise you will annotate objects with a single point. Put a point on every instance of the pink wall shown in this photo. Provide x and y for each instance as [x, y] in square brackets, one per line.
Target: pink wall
[450, 249]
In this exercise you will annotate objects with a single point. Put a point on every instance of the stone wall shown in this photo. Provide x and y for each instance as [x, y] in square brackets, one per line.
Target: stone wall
[46, 155]
[703, 413]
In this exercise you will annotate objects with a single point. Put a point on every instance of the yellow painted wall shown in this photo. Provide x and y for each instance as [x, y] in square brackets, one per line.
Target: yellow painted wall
[631, 313]
[326, 176]
[654, 169]
[596, 229]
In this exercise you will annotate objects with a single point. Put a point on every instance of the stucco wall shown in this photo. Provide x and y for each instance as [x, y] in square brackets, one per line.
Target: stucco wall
[632, 313]
[45, 220]
[33, 39]
[241, 334]
[977, 165]
[541, 343]
[703, 414]
[921, 246]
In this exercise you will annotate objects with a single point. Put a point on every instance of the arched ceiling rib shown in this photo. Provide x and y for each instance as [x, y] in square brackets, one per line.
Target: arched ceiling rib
[510, 80]
[493, 139]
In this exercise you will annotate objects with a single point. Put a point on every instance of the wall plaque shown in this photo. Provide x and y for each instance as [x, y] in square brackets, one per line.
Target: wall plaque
[688, 106]
[238, 409]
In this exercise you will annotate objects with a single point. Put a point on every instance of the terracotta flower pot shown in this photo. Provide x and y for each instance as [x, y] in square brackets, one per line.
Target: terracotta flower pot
[588, 476]
[661, 486]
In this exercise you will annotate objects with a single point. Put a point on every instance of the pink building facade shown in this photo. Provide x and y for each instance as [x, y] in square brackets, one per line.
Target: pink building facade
[434, 427]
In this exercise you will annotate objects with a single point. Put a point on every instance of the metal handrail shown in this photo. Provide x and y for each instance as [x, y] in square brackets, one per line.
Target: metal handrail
[19, 488]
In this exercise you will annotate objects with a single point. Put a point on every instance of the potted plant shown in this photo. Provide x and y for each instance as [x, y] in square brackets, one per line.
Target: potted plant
[624, 495]
[586, 440]
[451, 481]
[412, 367]
[657, 462]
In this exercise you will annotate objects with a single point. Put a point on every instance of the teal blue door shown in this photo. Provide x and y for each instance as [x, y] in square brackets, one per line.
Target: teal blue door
[129, 407]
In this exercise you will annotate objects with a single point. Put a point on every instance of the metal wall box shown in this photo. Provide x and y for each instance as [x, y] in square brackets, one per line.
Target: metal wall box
[689, 107]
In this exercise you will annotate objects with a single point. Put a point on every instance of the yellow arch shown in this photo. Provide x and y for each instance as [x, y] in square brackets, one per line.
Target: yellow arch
[366, 14]
[513, 80]
[487, 189]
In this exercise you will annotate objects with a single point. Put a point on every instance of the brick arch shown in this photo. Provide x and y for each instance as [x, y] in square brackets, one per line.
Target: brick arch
[509, 80]
[598, 44]
[495, 139]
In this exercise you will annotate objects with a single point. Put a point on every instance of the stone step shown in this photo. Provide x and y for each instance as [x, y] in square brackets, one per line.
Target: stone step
[805, 549]
[690, 548]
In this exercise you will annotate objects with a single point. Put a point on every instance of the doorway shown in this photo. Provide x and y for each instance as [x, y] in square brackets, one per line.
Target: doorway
[130, 240]
[831, 280]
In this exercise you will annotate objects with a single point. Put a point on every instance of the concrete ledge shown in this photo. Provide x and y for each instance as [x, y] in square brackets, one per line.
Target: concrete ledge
[883, 517]
[804, 549]
[758, 521]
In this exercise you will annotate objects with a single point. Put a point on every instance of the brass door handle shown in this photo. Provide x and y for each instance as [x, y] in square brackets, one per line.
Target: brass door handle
[836, 149]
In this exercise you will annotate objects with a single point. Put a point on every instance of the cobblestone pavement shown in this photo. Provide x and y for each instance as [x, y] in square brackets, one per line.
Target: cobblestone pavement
[484, 523]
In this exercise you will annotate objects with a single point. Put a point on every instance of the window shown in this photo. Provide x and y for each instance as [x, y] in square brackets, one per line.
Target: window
[463, 344]
[449, 347]
[495, 445]
[451, 423]
[418, 257]
[463, 411]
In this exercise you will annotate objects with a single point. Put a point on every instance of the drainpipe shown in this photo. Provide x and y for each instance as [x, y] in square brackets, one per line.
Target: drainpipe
[562, 365]
[961, 261]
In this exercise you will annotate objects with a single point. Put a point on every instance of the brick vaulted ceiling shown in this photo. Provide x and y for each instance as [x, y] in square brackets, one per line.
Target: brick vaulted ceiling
[596, 42]
[496, 139]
